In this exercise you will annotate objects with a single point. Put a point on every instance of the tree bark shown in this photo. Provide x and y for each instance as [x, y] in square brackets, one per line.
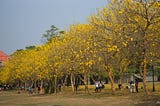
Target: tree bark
[35, 85]
[64, 82]
[86, 83]
[144, 77]
[72, 81]
[41, 86]
[110, 75]
[55, 84]
[121, 76]
[25, 85]
[84, 80]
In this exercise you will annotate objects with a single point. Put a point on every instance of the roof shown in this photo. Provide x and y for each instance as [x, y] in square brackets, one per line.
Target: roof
[3, 56]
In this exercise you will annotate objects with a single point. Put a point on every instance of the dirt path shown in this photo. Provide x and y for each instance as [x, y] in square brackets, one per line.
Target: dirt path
[14, 99]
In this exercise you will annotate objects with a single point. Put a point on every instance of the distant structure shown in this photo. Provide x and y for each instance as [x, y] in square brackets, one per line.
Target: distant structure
[3, 57]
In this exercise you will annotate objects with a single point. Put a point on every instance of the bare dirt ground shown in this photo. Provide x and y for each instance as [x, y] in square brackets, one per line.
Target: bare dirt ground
[12, 98]
[68, 98]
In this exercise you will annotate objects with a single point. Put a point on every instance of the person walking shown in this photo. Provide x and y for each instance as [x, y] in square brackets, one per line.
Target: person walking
[132, 86]
[136, 85]
[96, 86]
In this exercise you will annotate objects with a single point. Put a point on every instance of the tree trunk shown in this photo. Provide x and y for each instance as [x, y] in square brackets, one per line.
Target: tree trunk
[86, 83]
[35, 85]
[144, 65]
[144, 77]
[93, 78]
[55, 84]
[72, 81]
[41, 86]
[51, 86]
[19, 84]
[84, 80]
[110, 75]
[64, 82]
[25, 85]
[121, 76]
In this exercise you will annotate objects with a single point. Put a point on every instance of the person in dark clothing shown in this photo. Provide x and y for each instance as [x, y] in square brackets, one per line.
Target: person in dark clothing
[76, 87]
[136, 85]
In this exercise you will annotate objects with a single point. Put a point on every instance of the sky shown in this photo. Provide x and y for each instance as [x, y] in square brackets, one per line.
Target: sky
[22, 22]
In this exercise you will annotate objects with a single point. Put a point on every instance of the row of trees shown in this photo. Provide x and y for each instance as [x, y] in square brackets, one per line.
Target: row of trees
[123, 35]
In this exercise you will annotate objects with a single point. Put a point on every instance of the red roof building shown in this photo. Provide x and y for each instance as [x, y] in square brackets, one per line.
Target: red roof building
[3, 57]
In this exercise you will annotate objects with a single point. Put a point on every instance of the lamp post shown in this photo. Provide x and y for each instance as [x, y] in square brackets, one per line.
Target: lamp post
[153, 79]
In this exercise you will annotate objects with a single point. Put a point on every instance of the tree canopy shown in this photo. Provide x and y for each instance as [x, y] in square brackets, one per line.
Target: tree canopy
[122, 35]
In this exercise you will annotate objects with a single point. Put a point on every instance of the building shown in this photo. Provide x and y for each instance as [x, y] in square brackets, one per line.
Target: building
[3, 57]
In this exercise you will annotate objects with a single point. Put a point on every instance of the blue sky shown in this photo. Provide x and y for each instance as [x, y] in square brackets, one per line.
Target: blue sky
[22, 22]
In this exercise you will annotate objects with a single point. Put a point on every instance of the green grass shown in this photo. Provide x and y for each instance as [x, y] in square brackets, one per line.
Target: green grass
[68, 98]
